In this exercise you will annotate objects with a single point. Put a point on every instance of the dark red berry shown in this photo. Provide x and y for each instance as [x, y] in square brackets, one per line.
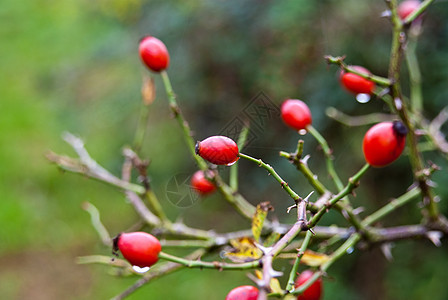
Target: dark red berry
[296, 114]
[384, 143]
[314, 291]
[405, 8]
[201, 184]
[154, 54]
[355, 83]
[244, 292]
[218, 149]
[139, 248]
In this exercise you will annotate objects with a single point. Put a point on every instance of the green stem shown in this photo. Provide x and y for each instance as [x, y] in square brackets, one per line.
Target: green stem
[141, 128]
[391, 206]
[432, 210]
[233, 180]
[209, 265]
[340, 62]
[328, 156]
[417, 12]
[235, 199]
[341, 251]
[295, 267]
[274, 174]
[352, 184]
[188, 136]
[414, 75]
[155, 204]
[305, 170]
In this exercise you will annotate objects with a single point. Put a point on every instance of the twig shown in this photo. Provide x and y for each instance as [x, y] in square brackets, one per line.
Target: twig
[351, 185]
[141, 166]
[96, 222]
[417, 12]
[235, 199]
[209, 265]
[339, 60]
[233, 177]
[295, 268]
[328, 156]
[357, 120]
[391, 206]
[274, 174]
[270, 253]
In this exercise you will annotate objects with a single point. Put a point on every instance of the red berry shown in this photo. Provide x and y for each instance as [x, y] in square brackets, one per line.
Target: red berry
[384, 142]
[405, 8]
[218, 149]
[138, 248]
[296, 114]
[355, 83]
[314, 291]
[244, 292]
[201, 184]
[154, 54]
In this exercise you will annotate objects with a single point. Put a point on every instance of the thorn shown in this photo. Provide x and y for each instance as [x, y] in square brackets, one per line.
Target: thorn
[358, 210]
[305, 159]
[398, 103]
[434, 237]
[308, 197]
[291, 207]
[275, 273]
[386, 14]
[387, 251]
[263, 249]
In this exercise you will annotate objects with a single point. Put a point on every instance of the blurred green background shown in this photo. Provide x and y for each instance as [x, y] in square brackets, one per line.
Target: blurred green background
[73, 66]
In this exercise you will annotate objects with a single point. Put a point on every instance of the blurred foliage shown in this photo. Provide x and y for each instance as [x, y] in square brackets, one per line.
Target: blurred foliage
[72, 66]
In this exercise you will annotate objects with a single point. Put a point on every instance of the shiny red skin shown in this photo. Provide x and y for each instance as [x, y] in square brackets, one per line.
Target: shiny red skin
[201, 184]
[405, 8]
[355, 83]
[296, 114]
[383, 144]
[154, 54]
[218, 149]
[244, 292]
[139, 248]
[314, 291]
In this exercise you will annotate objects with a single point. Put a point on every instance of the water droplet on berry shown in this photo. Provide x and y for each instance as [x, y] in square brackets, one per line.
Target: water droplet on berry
[140, 270]
[232, 163]
[363, 98]
[302, 131]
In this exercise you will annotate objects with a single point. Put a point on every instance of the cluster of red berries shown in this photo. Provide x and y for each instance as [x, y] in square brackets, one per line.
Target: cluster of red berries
[382, 144]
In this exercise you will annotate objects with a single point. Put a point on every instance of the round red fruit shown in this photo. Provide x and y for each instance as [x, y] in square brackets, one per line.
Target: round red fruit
[314, 291]
[296, 114]
[405, 8]
[154, 54]
[244, 292]
[218, 149]
[138, 248]
[384, 143]
[201, 184]
[355, 83]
